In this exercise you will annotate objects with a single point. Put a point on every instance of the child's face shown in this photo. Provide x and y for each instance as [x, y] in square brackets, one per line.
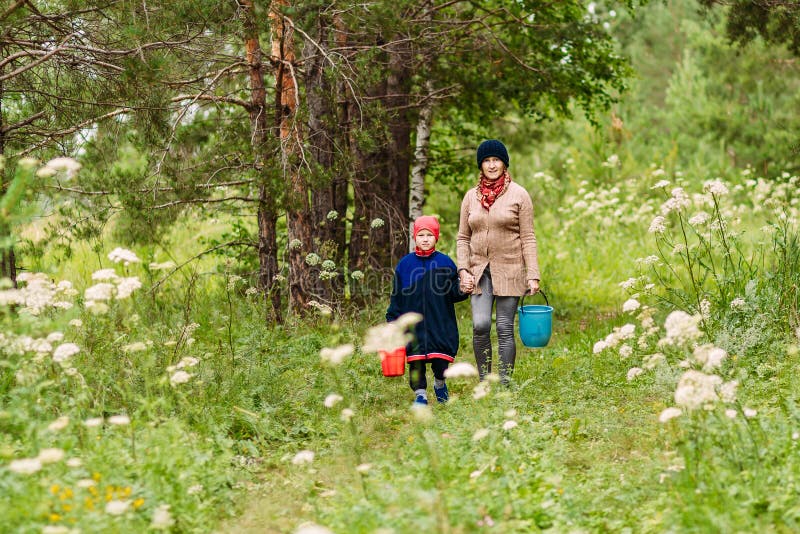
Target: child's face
[425, 240]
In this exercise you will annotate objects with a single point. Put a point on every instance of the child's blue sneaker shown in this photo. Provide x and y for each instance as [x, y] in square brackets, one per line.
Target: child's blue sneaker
[441, 393]
[420, 400]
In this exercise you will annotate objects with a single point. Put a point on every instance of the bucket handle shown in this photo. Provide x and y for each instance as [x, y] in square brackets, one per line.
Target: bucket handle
[522, 304]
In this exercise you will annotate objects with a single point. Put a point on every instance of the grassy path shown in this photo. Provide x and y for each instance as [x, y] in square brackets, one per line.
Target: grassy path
[586, 455]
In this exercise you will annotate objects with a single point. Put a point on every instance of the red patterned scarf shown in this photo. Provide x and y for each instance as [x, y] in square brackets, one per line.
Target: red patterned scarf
[489, 190]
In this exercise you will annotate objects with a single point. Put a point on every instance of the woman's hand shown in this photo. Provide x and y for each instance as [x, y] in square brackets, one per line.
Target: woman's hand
[533, 286]
[467, 282]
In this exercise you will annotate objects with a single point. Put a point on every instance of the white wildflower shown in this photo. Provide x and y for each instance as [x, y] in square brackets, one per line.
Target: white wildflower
[696, 389]
[25, 466]
[64, 164]
[312, 258]
[625, 351]
[332, 399]
[699, 219]
[669, 413]
[678, 201]
[104, 274]
[169, 264]
[681, 328]
[461, 370]
[124, 256]
[738, 303]
[658, 225]
[357, 275]
[295, 244]
[633, 372]
[59, 424]
[730, 414]
[599, 347]
[346, 414]
[630, 305]
[716, 188]
[709, 356]
[137, 346]
[311, 528]
[328, 265]
[74, 462]
[661, 184]
[179, 377]
[93, 422]
[363, 468]
[481, 389]
[55, 337]
[303, 457]
[480, 434]
[101, 291]
[332, 215]
[612, 161]
[76, 323]
[749, 413]
[119, 420]
[65, 351]
[705, 308]
[335, 356]
[508, 425]
[377, 222]
[50, 456]
[126, 286]
[162, 518]
[116, 507]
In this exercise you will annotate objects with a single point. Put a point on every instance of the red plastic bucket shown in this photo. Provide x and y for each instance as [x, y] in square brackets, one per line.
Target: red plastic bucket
[393, 362]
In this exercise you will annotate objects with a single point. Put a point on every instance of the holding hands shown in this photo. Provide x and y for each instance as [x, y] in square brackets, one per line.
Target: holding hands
[467, 281]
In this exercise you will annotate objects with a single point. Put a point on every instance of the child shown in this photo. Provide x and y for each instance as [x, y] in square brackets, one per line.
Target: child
[426, 282]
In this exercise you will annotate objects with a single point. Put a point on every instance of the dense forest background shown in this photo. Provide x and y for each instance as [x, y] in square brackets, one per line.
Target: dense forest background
[203, 203]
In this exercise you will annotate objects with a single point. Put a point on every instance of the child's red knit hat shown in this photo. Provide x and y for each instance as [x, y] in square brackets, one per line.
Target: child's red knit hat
[427, 222]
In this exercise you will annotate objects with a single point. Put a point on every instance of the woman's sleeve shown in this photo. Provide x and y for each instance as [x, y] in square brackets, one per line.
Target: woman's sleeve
[464, 235]
[528, 237]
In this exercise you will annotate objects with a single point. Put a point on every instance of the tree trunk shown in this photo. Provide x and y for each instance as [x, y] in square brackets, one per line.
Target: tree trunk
[329, 197]
[298, 209]
[267, 214]
[420, 167]
[380, 188]
[8, 267]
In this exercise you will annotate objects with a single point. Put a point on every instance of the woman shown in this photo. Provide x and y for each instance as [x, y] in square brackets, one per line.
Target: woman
[496, 255]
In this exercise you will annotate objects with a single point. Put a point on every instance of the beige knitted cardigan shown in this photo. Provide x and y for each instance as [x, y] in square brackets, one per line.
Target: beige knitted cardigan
[502, 237]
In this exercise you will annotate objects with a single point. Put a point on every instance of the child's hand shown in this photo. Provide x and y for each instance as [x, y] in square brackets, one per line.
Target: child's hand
[467, 282]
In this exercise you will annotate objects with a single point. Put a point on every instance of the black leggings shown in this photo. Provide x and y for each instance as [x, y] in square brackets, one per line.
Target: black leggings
[416, 372]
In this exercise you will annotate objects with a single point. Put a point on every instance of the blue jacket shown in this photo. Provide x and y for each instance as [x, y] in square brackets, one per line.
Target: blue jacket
[428, 286]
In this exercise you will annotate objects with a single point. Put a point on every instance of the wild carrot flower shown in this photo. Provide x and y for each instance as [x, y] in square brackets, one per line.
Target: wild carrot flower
[119, 420]
[669, 413]
[657, 226]
[124, 256]
[331, 400]
[126, 286]
[65, 351]
[699, 219]
[681, 328]
[59, 424]
[303, 457]
[508, 425]
[461, 370]
[50, 456]
[480, 434]
[696, 389]
[25, 466]
[630, 305]
[162, 518]
[633, 372]
[115, 507]
[104, 274]
[179, 377]
[335, 356]
[716, 188]
[661, 184]
[709, 356]
[730, 414]
[749, 413]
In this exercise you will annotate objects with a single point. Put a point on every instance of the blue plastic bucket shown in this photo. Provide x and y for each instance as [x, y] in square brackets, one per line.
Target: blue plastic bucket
[535, 323]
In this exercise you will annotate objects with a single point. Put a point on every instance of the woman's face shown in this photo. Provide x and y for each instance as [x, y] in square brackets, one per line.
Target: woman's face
[493, 167]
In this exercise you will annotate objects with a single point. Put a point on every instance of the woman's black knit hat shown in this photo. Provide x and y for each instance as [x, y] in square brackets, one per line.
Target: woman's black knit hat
[492, 147]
